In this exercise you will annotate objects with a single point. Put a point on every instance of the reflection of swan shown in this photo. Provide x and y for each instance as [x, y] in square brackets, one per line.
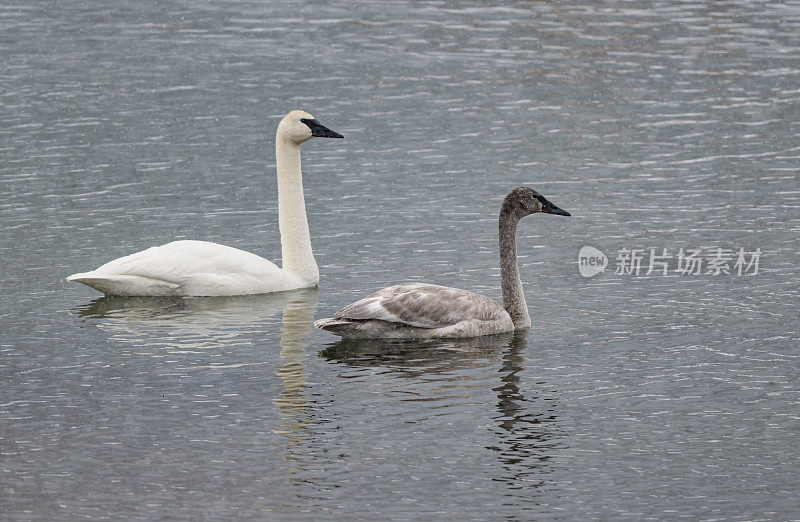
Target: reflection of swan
[200, 268]
[194, 322]
[186, 324]
[298, 320]
[421, 310]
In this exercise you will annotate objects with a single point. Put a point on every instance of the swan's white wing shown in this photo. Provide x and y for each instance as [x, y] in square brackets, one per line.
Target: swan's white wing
[188, 268]
[174, 261]
[424, 305]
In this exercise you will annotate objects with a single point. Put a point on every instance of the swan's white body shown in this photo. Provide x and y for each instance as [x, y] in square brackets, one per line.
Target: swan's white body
[201, 268]
[191, 268]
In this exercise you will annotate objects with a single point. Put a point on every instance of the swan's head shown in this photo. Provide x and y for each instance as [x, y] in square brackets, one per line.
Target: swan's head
[300, 126]
[524, 201]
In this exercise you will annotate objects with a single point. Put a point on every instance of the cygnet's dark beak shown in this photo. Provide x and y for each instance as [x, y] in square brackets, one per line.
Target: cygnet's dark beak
[549, 208]
[319, 130]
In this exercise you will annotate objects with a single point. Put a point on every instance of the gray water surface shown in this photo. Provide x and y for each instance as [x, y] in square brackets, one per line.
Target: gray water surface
[656, 124]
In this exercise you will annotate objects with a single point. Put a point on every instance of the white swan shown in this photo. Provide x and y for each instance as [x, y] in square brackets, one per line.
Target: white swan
[200, 268]
[421, 310]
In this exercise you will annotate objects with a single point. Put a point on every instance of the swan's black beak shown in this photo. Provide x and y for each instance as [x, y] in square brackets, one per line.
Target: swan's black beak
[319, 130]
[549, 208]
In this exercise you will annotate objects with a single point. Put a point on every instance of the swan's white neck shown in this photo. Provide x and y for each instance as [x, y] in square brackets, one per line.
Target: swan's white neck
[295, 239]
[513, 295]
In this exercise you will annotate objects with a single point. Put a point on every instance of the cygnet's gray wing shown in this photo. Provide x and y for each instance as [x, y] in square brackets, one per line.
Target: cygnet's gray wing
[423, 305]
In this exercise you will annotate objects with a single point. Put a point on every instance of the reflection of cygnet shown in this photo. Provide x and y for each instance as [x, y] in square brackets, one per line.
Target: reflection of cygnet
[418, 352]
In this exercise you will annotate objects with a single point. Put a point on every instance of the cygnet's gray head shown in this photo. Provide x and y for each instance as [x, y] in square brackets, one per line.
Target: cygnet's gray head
[299, 126]
[524, 201]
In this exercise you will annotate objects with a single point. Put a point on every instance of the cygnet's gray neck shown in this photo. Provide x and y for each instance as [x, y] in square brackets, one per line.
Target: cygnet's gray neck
[513, 294]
